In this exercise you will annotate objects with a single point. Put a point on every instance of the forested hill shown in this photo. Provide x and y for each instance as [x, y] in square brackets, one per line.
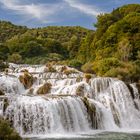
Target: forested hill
[115, 47]
[41, 44]
[8, 30]
[112, 50]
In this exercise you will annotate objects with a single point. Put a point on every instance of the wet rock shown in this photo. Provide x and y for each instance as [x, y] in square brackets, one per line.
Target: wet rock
[1, 93]
[91, 109]
[27, 79]
[49, 68]
[80, 90]
[44, 89]
[69, 71]
[115, 114]
[138, 87]
[6, 104]
[30, 91]
[87, 77]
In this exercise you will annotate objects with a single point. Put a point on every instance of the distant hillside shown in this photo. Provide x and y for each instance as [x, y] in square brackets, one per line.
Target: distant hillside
[8, 30]
[112, 50]
[41, 44]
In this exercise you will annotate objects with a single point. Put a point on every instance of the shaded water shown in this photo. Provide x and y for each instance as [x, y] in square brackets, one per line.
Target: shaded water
[97, 136]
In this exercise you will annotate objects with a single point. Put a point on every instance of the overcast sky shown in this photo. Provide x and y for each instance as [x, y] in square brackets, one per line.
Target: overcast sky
[38, 13]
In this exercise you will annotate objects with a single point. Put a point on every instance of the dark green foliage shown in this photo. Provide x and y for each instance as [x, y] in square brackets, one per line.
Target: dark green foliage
[6, 132]
[8, 30]
[115, 46]
[4, 51]
[112, 50]
[3, 65]
[75, 63]
[15, 58]
[42, 44]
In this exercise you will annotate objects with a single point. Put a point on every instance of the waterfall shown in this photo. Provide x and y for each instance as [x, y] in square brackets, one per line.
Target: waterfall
[70, 104]
[35, 115]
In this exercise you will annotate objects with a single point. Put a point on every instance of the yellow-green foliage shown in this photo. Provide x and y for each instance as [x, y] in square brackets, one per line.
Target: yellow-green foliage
[88, 67]
[44, 89]
[104, 65]
[6, 132]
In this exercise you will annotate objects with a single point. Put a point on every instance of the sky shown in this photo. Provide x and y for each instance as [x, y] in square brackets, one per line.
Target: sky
[40, 13]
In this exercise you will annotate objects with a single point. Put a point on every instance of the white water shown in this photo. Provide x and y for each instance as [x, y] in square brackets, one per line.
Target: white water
[63, 109]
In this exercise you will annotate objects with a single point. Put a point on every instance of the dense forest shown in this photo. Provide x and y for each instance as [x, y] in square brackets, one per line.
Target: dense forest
[113, 49]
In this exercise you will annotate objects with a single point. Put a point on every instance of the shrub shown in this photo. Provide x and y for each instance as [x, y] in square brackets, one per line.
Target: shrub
[6, 132]
[88, 67]
[3, 65]
[15, 58]
[75, 63]
[104, 65]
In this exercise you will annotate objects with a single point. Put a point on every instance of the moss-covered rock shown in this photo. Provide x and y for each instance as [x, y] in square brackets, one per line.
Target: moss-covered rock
[80, 90]
[44, 89]
[91, 109]
[63, 68]
[79, 79]
[49, 68]
[87, 76]
[1, 93]
[69, 71]
[27, 79]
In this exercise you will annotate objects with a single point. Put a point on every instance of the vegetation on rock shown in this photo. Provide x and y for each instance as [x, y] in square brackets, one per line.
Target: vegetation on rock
[7, 132]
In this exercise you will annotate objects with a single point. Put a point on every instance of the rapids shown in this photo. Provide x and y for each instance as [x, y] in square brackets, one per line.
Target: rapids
[72, 104]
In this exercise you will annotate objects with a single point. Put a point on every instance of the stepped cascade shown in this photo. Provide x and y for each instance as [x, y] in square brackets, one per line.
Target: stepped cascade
[41, 99]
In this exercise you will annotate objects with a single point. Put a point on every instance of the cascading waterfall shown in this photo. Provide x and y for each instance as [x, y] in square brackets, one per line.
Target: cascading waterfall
[35, 115]
[70, 103]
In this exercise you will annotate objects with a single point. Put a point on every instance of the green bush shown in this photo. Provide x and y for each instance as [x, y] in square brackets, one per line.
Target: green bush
[3, 65]
[7, 132]
[75, 63]
[104, 65]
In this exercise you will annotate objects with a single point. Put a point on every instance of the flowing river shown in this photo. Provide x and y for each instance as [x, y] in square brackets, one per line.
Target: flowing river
[59, 102]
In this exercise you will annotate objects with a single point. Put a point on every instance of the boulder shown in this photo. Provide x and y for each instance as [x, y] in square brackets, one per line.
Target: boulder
[44, 89]
[26, 79]
[1, 93]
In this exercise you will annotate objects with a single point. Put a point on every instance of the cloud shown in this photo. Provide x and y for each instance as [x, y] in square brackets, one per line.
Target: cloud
[45, 13]
[87, 9]
[42, 12]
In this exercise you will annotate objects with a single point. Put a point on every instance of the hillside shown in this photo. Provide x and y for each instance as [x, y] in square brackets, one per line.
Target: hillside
[22, 45]
[8, 30]
[115, 46]
[112, 50]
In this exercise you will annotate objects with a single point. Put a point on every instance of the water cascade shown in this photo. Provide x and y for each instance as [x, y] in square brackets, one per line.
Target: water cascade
[61, 100]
